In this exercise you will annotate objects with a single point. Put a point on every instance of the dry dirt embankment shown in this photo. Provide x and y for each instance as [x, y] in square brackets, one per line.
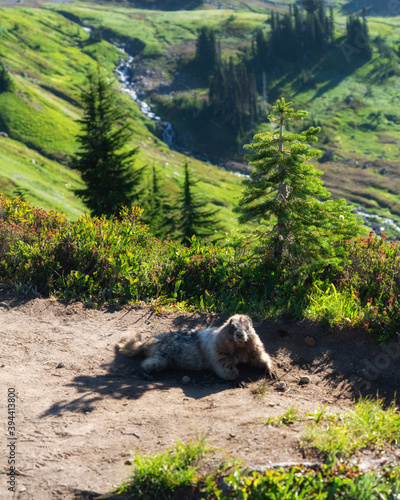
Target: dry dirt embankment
[81, 407]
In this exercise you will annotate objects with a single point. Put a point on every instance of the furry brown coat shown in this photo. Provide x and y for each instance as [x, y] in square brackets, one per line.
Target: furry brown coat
[217, 349]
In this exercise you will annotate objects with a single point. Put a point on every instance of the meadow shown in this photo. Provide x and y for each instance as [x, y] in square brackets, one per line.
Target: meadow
[48, 57]
[49, 247]
[353, 100]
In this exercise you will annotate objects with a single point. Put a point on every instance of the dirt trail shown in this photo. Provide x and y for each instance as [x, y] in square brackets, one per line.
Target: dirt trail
[81, 408]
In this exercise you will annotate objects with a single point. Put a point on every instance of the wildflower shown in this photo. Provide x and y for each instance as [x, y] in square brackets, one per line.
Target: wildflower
[356, 294]
[366, 325]
[383, 236]
[379, 278]
[341, 218]
[376, 309]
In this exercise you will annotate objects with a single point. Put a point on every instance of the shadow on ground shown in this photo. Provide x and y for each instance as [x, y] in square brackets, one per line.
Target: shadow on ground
[346, 363]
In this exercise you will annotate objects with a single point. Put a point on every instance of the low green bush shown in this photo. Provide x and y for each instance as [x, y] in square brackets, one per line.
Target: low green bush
[116, 261]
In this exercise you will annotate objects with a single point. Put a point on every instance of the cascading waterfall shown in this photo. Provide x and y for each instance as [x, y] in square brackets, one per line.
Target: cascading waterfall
[122, 72]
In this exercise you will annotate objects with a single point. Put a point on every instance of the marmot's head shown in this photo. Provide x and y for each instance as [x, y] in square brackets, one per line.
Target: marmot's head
[240, 328]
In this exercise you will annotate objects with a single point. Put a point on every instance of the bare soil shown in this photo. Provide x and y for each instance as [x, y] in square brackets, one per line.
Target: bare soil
[82, 407]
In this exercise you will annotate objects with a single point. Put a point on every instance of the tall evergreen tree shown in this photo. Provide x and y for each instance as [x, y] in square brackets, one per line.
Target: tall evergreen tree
[358, 36]
[231, 96]
[301, 227]
[195, 220]
[261, 47]
[311, 6]
[206, 49]
[103, 159]
[159, 213]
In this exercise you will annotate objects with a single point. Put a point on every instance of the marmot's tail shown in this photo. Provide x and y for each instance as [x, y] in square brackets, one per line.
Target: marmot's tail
[133, 345]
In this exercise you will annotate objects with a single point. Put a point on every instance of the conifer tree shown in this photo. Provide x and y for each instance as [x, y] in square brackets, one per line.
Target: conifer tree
[311, 6]
[6, 83]
[195, 220]
[158, 211]
[300, 226]
[206, 49]
[103, 159]
[358, 36]
[261, 47]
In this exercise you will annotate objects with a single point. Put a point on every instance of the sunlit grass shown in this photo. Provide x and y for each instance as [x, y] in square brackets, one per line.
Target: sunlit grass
[178, 467]
[365, 425]
[175, 474]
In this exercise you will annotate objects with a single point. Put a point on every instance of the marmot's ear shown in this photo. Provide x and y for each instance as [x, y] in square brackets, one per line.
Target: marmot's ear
[231, 327]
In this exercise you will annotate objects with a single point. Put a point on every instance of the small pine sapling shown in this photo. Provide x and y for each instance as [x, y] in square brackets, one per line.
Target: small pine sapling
[299, 226]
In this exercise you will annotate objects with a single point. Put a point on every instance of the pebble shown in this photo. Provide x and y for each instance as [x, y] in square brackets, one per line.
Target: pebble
[185, 379]
[310, 341]
[305, 379]
[272, 404]
[281, 386]
[61, 364]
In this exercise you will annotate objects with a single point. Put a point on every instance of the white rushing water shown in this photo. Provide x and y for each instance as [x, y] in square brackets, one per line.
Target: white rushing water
[377, 219]
[122, 72]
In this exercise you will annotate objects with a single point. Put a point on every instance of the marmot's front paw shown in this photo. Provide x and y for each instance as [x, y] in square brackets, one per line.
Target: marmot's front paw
[147, 376]
[240, 384]
[272, 375]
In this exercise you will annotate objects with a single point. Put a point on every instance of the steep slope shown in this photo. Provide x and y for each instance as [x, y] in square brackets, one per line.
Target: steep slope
[48, 57]
[353, 99]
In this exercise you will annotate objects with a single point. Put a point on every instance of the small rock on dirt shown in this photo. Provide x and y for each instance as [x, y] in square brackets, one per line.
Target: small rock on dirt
[61, 364]
[305, 379]
[185, 379]
[281, 386]
[310, 341]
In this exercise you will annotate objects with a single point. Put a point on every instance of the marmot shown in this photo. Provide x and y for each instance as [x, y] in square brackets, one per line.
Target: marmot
[218, 349]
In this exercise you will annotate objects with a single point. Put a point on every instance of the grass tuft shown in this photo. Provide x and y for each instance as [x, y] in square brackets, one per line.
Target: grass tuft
[170, 471]
[365, 425]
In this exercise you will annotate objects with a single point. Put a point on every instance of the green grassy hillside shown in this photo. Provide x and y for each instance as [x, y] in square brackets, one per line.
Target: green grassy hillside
[355, 101]
[48, 57]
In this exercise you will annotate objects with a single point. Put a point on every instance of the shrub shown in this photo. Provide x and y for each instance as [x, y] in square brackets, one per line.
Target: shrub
[117, 260]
